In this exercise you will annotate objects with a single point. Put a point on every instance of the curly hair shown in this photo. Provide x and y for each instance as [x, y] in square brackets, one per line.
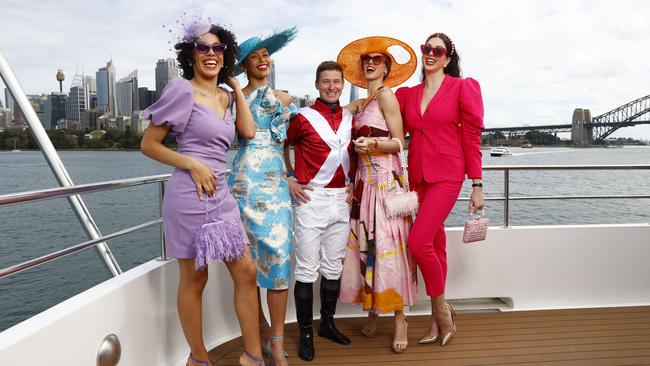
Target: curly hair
[453, 68]
[185, 54]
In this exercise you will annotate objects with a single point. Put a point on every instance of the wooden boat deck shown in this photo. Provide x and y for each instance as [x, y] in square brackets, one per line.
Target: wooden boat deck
[593, 337]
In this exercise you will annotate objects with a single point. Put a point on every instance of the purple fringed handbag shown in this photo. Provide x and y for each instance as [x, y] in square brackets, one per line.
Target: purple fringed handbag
[218, 239]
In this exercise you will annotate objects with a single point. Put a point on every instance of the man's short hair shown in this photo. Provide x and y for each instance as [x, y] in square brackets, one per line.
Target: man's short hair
[326, 66]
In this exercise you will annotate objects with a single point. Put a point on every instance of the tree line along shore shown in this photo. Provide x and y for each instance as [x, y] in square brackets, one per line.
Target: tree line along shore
[114, 139]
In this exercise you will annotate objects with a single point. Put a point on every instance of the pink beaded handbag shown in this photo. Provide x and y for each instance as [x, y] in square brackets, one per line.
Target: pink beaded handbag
[400, 204]
[475, 227]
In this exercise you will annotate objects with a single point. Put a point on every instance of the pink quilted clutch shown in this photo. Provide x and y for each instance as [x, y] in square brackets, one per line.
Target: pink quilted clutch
[400, 204]
[475, 228]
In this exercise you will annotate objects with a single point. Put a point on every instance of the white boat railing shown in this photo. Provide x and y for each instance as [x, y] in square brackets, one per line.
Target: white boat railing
[46, 194]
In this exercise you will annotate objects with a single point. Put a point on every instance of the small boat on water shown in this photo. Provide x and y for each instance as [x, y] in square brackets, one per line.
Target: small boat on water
[500, 151]
[527, 145]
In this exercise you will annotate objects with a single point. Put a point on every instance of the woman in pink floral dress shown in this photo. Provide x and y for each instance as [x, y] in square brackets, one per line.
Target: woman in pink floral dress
[377, 269]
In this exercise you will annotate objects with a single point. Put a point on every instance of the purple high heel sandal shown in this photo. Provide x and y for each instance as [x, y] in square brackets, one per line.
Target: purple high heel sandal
[259, 361]
[203, 363]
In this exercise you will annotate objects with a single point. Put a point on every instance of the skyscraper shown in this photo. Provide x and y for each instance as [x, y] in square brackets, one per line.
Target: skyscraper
[166, 69]
[272, 75]
[146, 97]
[126, 92]
[5, 119]
[354, 93]
[91, 92]
[76, 102]
[106, 89]
[54, 110]
[9, 101]
[90, 83]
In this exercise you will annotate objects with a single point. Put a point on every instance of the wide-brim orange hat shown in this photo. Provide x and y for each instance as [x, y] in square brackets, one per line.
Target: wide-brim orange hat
[350, 59]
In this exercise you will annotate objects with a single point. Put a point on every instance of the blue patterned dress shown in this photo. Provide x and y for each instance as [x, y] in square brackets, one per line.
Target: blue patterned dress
[258, 184]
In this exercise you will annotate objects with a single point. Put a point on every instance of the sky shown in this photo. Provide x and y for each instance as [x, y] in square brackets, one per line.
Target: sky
[536, 61]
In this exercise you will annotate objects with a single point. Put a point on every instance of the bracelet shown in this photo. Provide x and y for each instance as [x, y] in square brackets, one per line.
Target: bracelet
[291, 174]
[479, 185]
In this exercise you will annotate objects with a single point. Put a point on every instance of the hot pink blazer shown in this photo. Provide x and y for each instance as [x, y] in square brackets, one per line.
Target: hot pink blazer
[445, 141]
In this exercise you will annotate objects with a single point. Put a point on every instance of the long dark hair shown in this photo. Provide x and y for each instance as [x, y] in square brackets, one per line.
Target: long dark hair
[185, 56]
[453, 68]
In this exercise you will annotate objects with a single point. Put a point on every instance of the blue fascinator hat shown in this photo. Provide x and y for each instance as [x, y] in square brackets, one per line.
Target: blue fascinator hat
[272, 43]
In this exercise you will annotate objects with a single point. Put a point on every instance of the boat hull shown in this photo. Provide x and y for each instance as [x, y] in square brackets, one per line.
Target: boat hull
[529, 268]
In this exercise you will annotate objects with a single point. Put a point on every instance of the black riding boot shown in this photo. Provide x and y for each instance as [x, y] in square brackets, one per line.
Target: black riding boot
[329, 295]
[304, 296]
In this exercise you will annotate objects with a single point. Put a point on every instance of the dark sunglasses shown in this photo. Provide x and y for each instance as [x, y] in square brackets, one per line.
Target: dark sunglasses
[438, 51]
[376, 60]
[203, 48]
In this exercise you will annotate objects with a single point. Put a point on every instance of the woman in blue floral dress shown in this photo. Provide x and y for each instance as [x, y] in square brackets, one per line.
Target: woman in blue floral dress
[258, 183]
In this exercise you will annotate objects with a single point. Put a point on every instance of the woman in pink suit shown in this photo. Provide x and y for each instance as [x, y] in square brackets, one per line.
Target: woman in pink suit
[444, 116]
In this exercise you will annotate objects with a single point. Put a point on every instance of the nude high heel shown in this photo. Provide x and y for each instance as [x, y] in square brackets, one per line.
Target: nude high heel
[447, 337]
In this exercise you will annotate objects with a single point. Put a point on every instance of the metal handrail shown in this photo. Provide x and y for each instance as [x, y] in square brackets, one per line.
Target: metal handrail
[46, 194]
[31, 196]
[73, 249]
[56, 165]
[568, 167]
[61, 192]
[506, 184]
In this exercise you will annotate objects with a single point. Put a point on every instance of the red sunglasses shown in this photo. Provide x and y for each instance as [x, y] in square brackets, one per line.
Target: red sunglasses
[203, 48]
[438, 51]
[376, 60]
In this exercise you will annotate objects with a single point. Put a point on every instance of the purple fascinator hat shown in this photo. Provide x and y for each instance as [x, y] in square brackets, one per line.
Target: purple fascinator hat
[187, 28]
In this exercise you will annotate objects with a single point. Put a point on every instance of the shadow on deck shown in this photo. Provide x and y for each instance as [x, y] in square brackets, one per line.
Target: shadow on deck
[593, 337]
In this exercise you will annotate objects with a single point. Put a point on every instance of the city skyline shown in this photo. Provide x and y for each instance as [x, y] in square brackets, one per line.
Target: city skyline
[536, 61]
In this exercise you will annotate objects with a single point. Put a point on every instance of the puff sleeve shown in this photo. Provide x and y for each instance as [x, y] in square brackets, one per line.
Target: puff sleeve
[278, 114]
[471, 122]
[174, 106]
[402, 96]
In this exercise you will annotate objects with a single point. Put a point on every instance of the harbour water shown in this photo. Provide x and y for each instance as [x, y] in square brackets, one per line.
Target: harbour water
[35, 229]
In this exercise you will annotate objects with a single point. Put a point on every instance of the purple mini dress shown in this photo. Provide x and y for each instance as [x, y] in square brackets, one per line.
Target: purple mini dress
[203, 135]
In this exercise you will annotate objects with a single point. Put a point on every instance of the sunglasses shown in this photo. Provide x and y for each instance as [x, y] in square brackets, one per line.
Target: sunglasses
[438, 51]
[376, 60]
[203, 48]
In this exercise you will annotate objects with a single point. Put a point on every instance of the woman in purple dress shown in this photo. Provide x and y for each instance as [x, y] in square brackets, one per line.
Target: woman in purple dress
[197, 112]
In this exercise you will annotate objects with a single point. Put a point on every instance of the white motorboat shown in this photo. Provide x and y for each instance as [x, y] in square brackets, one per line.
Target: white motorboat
[512, 285]
[500, 151]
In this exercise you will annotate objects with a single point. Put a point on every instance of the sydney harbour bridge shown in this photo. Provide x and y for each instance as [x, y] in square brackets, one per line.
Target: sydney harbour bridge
[585, 129]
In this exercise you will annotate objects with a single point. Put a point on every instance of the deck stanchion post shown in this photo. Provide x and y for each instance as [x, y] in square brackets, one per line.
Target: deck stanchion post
[163, 245]
[506, 197]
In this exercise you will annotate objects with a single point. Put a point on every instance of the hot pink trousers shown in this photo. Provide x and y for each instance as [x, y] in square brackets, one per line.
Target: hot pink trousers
[427, 240]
